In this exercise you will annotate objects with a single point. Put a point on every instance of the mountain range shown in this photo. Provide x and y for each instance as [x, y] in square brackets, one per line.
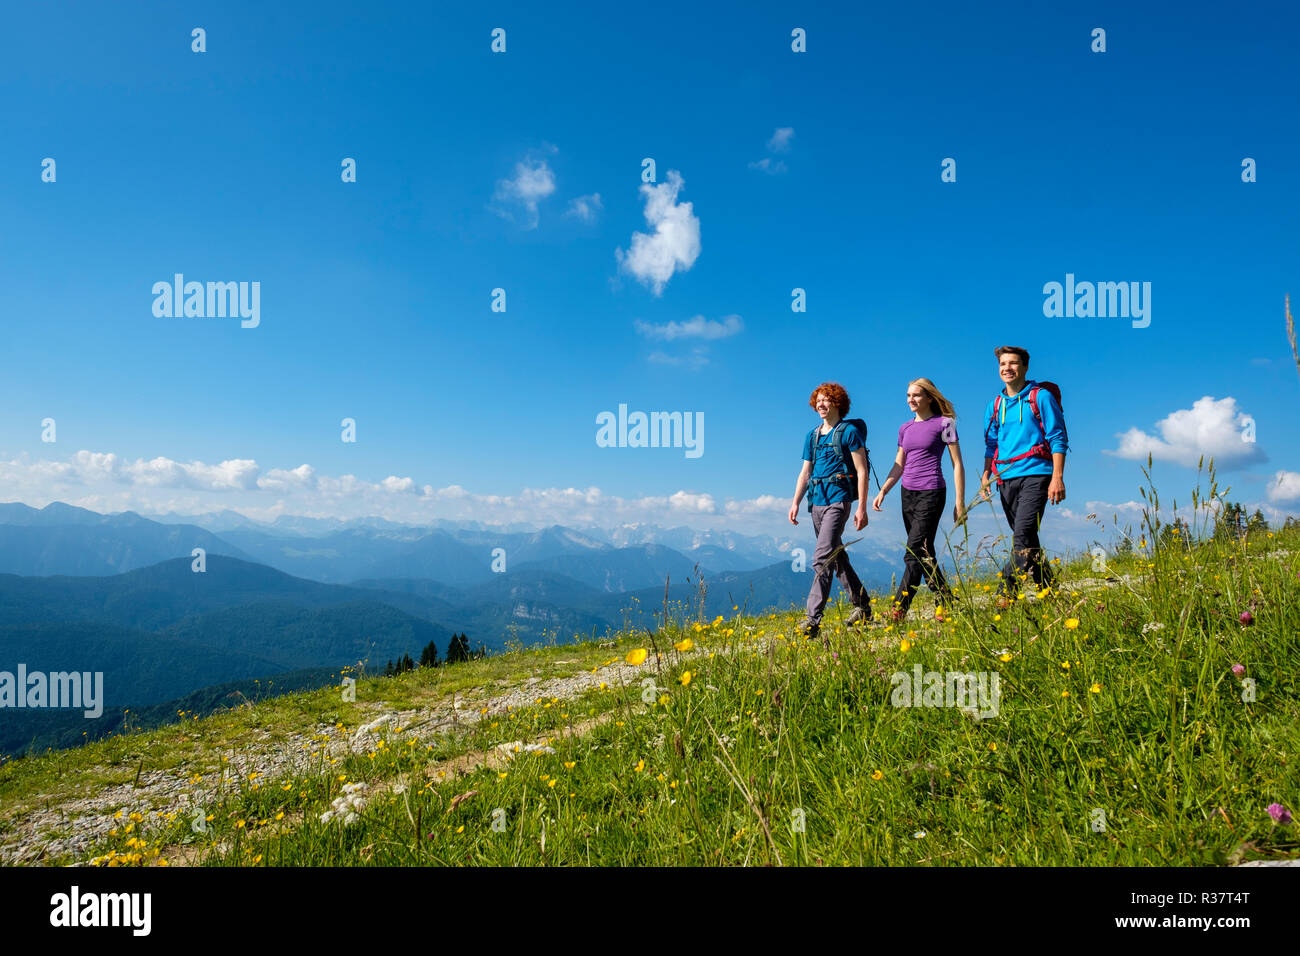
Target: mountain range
[119, 594]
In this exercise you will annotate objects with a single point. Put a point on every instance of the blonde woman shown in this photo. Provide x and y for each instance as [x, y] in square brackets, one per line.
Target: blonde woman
[919, 464]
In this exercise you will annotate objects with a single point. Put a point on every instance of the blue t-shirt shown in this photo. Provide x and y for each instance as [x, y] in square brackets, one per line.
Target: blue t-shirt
[825, 463]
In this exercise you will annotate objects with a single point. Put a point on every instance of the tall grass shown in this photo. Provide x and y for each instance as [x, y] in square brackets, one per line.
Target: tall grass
[1122, 736]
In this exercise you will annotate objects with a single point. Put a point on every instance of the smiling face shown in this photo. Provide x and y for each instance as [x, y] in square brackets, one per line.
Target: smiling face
[1012, 369]
[824, 405]
[918, 400]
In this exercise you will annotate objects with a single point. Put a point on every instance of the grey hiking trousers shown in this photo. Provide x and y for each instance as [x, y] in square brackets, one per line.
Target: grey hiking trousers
[828, 524]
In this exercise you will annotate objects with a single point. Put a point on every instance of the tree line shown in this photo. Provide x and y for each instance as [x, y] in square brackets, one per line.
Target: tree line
[458, 650]
[1231, 523]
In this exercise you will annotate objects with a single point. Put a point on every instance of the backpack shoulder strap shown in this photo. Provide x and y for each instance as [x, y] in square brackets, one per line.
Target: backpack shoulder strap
[1033, 404]
[837, 437]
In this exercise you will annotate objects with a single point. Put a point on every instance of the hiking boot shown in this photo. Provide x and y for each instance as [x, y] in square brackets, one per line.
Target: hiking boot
[808, 630]
[858, 617]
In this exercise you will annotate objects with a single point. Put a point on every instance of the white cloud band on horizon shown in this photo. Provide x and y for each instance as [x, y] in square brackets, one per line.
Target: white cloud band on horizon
[108, 483]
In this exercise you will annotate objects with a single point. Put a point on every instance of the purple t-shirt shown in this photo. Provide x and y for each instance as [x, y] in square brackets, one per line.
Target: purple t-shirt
[923, 442]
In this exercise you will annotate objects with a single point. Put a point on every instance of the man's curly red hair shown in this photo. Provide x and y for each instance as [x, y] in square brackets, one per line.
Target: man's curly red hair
[835, 392]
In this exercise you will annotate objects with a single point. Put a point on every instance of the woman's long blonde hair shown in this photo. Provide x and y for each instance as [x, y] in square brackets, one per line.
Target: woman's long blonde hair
[938, 404]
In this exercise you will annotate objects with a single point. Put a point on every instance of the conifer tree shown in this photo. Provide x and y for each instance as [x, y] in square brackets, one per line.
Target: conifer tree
[458, 649]
[429, 656]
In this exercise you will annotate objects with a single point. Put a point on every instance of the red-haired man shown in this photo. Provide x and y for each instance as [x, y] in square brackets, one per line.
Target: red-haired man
[831, 491]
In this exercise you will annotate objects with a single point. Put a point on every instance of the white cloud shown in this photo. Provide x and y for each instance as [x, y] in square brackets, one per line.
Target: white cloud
[697, 359]
[1285, 486]
[1210, 428]
[780, 141]
[688, 501]
[694, 328]
[585, 207]
[1131, 509]
[675, 243]
[533, 181]
[278, 479]
[395, 485]
[761, 504]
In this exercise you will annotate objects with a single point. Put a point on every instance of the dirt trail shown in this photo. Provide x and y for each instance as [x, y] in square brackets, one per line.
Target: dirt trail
[73, 826]
[36, 833]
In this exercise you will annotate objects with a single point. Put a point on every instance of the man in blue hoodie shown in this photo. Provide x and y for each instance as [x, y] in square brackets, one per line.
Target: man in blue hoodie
[1024, 450]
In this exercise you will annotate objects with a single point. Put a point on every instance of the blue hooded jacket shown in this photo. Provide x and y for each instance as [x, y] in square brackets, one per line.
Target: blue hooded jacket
[1016, 431]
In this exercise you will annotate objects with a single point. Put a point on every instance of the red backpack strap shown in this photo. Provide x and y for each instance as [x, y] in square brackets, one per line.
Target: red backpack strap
[1033, 404]
[1041, 450]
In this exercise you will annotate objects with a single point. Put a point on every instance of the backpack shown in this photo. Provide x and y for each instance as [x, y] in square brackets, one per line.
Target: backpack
[1040, 450]
[848, 477]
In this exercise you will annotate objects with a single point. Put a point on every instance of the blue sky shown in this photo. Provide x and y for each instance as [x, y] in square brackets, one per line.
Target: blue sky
[375, 295]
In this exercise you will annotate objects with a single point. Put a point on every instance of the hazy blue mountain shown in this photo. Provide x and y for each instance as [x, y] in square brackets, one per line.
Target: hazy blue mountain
[215, 521]
[718, 548]
[363, 552]
[166, 593]
[521, 547]
[62, 539]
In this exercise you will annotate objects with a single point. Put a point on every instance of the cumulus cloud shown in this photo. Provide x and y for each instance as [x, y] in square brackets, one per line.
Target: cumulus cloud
[398, 486]
[1285, 486]
[694, 328]
[585, 207]
[673, 246]
[780, 141]
[761, 504]
[533, 181]
[1210, 428]
[689, 501]
[278, 479]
